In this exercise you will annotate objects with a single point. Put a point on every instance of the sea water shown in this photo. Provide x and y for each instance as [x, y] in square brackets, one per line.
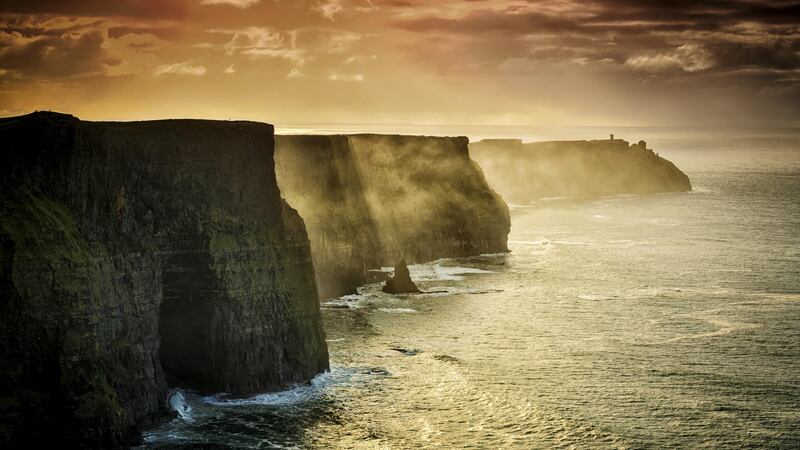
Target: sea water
[668, 320]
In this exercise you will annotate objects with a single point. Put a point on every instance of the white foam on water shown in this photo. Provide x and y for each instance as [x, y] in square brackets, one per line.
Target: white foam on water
[172, 435]
[177, 402]
[366, 296]
[438, 272]
[298, 394]
[594, 297]
[398, 310]
[700, 190]
[539, 242]
[443, 291]
[554, 199]
[518, 206]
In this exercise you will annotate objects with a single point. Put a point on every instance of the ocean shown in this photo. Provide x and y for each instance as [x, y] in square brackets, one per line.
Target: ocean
[669, 320]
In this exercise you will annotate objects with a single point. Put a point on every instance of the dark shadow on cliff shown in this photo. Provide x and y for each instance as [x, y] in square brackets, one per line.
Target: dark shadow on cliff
[100, 221]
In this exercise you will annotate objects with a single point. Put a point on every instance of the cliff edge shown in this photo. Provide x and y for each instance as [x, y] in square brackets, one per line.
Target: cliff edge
[136, 253]
[526, 172]
[372, 200]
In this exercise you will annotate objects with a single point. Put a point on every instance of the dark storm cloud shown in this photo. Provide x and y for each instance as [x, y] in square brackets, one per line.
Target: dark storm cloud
[54, 56]
[484, 21]
[709, 14]
[163, 9]
[613, 15]
[730, 56]
[517, 53]
[661, 35]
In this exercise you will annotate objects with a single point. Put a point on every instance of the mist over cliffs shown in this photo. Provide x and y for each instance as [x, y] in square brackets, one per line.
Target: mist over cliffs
[525, 172]
[138, 256]
[371, 200]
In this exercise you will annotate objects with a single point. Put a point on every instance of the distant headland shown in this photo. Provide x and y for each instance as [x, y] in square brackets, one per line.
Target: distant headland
[526, 172]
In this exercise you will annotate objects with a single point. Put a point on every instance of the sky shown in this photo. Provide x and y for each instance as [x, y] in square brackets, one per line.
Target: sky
[721, 63]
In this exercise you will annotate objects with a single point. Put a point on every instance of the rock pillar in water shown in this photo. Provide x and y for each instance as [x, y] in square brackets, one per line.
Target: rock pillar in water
[401, 282]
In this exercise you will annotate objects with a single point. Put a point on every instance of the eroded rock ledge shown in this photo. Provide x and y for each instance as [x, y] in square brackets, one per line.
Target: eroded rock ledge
[131, 250]
[372, 200]
[525, 172]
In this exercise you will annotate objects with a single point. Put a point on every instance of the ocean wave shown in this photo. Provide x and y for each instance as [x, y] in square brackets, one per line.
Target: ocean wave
[725, 328]
[595, 297]
[572, 243]
[530, 242]
[781, 296]
[302, 393]
[519, 206]
[178, 403]
[398, 310]
[297, 394]
[439, 272]
[700, 190]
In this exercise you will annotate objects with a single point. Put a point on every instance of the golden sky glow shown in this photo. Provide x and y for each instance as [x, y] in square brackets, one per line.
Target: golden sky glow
[559, 62]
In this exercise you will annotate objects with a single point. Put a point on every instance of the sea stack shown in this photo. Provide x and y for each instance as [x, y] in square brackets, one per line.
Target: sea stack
[370, 200]
[401, 282]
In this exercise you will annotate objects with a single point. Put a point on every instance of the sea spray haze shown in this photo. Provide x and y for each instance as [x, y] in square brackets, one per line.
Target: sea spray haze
[160, 281]
[371, 200]
[649, 321]
[526, 172]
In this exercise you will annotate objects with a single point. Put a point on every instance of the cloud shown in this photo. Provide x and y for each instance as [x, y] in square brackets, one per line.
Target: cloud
[165, 9]
[355, 77]
[46, 56]
[329, 8]
[511, 53]
[300, 46]
[290, 54]
[237, 3]
[688, 57]
[359, 58]
[258, 41]
[265, 43]
[181, 68]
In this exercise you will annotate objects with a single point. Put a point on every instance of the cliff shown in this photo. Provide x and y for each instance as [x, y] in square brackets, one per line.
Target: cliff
[372, 200]
[523, 173]
[136, 253]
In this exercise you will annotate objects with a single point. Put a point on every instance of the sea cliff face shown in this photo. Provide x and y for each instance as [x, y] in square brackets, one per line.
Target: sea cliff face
[136, 253]
[372, 200]
[523, 173]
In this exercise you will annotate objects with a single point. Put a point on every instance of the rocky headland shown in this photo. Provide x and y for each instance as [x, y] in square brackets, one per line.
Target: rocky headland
[139, 256]
[526, 172]
[373, 200]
